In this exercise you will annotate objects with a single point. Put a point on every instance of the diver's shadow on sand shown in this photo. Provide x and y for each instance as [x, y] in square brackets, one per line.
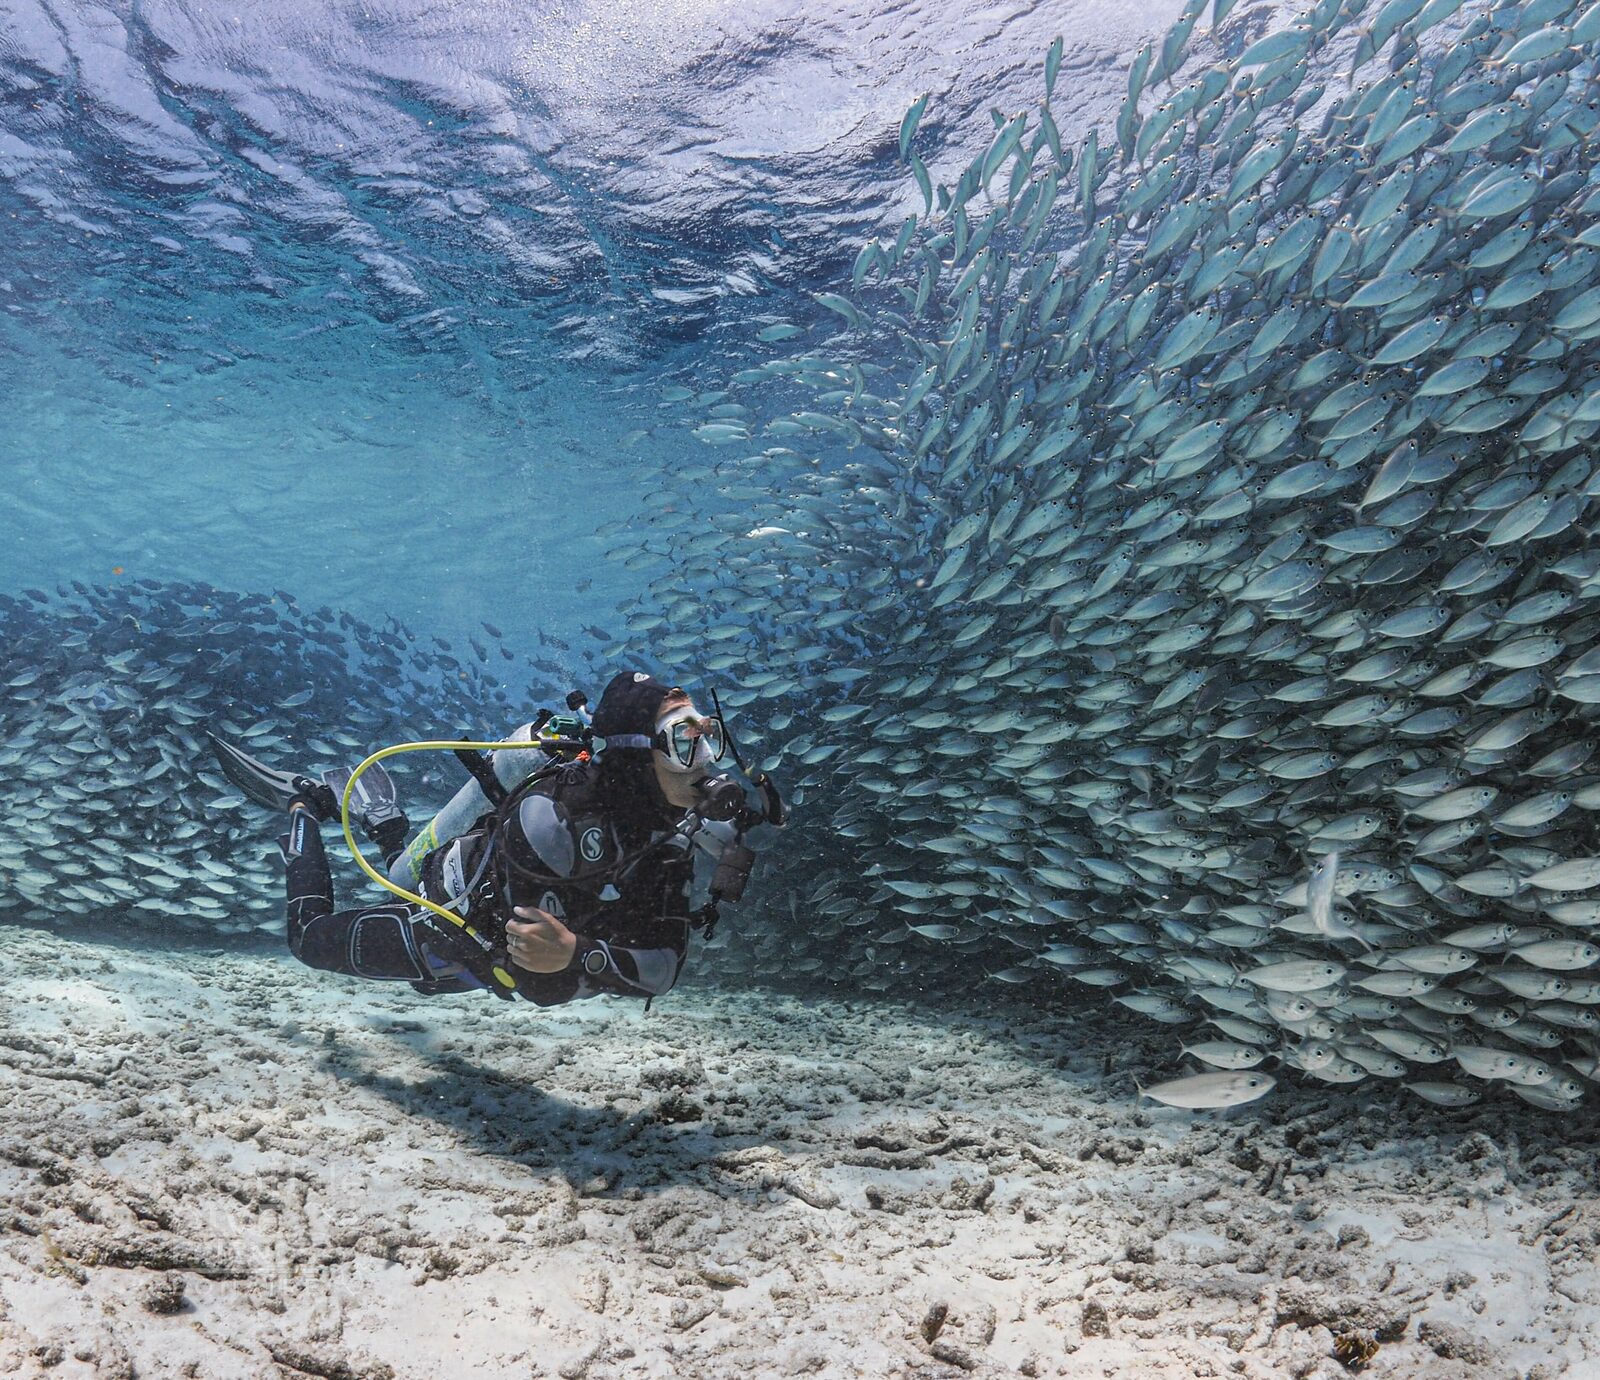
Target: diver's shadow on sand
[671, 1140]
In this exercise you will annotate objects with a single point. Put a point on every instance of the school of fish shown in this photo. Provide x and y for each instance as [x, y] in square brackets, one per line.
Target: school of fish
[1167, 567]
[114, 810]
[115, 814]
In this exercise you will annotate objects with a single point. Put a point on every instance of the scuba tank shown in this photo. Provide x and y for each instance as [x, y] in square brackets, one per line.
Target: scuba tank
[549, 737]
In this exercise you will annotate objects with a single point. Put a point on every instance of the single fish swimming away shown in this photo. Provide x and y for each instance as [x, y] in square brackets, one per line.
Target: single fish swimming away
[1322, 900]
[1320, 894]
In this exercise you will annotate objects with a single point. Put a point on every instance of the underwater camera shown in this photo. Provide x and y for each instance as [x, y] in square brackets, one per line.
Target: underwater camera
[722, 800]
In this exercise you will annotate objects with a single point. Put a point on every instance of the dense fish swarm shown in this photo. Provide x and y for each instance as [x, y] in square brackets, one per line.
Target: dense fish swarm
[1177, 577]
[115, 811]
[114, 808]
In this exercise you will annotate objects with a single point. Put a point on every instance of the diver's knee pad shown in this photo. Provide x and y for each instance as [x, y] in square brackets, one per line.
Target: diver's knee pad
[381, 944]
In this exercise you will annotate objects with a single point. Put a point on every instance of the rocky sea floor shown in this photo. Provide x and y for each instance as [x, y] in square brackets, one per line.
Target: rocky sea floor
[218, 1164]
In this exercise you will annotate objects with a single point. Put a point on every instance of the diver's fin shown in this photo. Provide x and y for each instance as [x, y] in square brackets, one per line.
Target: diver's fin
[375, 805]
[374, 800]
[260, 783]
[256, 781]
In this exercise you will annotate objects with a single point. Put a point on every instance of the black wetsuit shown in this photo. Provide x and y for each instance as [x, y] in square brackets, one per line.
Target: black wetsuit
[566, 841]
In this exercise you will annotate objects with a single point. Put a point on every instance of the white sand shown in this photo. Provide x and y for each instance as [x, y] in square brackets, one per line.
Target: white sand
[325, 1177]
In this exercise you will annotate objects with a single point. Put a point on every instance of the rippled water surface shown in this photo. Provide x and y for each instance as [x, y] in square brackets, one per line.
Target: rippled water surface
[375, 303]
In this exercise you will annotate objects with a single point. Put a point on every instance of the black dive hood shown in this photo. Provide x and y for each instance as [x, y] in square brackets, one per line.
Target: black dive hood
[628, 709]
[626, 718]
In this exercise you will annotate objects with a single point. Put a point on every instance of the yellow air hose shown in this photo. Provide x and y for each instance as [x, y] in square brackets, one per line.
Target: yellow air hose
[501, 976]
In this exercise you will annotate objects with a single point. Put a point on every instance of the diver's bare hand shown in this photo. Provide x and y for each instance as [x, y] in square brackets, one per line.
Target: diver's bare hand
[543, 944]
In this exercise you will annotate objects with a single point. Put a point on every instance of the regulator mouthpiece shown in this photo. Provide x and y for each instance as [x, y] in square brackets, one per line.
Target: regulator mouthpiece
[721, 798]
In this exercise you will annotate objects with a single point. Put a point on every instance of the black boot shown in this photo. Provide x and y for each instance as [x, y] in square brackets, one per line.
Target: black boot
[316, 797]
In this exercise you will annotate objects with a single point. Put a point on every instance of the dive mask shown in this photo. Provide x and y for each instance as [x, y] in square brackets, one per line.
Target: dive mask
[689, 740]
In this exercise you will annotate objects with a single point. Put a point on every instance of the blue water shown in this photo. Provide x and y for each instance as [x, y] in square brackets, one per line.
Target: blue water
[375, 303]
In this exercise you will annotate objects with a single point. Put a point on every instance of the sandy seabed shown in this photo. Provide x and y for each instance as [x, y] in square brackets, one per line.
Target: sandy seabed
[219, 1164]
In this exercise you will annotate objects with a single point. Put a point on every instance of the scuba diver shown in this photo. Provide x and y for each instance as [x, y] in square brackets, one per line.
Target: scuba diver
[553, 874]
